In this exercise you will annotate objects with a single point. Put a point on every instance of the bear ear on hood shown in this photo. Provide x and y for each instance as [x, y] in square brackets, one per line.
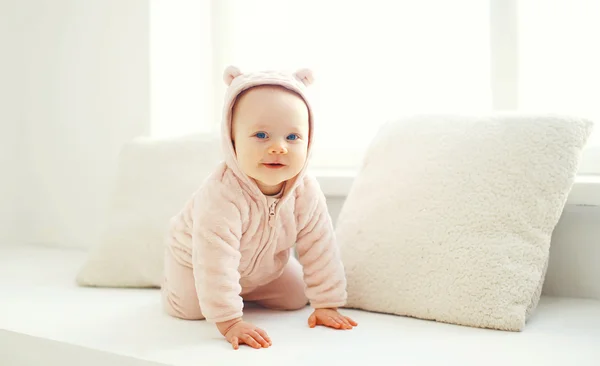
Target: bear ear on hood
[306, 76]
[230, 73]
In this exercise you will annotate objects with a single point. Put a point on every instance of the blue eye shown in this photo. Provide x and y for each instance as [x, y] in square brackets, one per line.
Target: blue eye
[292, 137]
[261, 135]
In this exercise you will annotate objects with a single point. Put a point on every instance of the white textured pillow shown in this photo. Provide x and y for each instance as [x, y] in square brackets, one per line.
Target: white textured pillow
[450, 217]
[154, 179]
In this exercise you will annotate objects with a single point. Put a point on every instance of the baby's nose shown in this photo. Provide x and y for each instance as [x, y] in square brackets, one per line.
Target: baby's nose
[278, 149]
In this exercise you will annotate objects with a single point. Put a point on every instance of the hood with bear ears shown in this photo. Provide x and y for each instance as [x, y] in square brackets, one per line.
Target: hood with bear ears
[238, 82]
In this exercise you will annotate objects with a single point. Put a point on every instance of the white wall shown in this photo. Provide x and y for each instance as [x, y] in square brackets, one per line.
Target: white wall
[10, 132]
[575, 254]
[9, 171]
[85, 68]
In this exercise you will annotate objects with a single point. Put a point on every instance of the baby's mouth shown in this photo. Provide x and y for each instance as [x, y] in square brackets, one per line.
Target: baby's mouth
[273, 165]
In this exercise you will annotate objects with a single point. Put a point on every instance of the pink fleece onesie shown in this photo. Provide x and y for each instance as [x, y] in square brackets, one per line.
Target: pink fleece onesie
[232, 243]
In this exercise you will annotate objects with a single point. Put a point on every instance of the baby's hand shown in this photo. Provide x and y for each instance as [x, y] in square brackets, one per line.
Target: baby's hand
[330, 318]
[243, 332]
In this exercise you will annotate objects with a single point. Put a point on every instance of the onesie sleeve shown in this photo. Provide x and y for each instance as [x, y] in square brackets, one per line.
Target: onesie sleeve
[216, 235]
[318, 252]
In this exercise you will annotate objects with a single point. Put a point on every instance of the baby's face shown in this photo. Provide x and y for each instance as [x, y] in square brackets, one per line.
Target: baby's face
[270, 133]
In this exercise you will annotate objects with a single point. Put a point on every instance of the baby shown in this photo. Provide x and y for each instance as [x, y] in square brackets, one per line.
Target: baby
[233, 240]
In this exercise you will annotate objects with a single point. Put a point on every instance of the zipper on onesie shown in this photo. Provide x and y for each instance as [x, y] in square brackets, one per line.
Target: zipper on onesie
[271, 220]
[272, 214]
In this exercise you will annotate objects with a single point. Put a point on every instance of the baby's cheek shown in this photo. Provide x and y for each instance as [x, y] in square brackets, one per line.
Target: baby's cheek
[300, 159]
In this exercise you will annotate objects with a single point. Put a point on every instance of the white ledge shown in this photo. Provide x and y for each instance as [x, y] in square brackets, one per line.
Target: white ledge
[337, 183]
[585, 191]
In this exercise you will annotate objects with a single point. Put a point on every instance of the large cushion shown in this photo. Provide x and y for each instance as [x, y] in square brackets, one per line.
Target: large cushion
[155, 178]
[450, 217]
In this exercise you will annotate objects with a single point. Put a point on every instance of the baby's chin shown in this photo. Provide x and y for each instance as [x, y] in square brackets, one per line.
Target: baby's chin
[274, 178]
[272, 181]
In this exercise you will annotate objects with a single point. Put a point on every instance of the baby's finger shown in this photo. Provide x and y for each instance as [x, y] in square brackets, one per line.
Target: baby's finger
[342, 323]
[338, 319]
[312, 321]
[351, 321]
[257, 337]
[345, 323]
[332, 323]
[247, 338]
[235, 342]
[264, 335]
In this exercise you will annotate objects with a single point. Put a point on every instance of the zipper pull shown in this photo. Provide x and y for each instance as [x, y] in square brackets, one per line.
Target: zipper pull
[272, 215]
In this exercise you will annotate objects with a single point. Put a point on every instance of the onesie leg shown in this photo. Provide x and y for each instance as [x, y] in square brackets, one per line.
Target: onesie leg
[284, 293]
[179, 296]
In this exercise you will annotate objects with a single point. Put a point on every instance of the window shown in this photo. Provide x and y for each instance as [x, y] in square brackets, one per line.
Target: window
[181, 70]
[377, 60]
[559, 62]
